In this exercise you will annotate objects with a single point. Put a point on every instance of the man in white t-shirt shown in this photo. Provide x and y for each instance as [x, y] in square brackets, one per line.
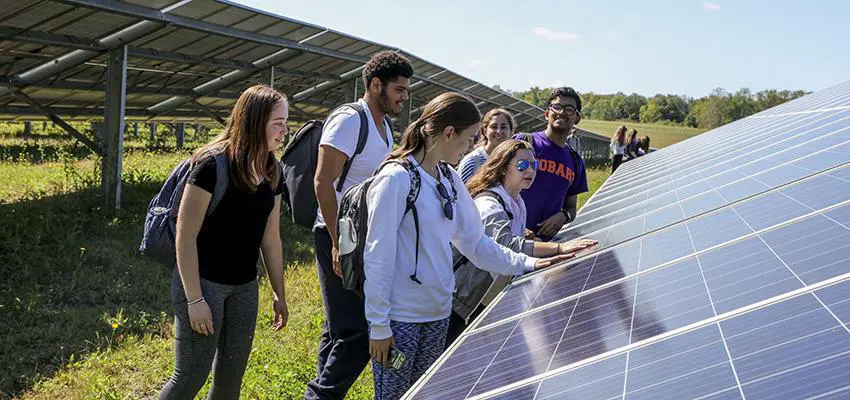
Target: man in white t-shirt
[344, 345]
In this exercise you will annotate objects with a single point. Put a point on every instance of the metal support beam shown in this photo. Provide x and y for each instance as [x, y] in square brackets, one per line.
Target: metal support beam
[404, 117]
[77, 57]
[214, 115]
[100, 87]
[267, 77]
[47, 112]
[153, 131]
[327, 85]
[27, 129]
[180, 134]
[351, 92]
[113, 128]
[207, 27]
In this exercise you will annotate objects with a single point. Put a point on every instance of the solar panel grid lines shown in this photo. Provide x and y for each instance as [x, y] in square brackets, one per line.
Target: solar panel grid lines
[838, 280]
[476, 328]
[835, 172]
[839, 108]
[768, 150]
[835, 152]
[810, 101]
[678, 212]
[716, 140]
[749, 241]
[560, 293]
[715, 147]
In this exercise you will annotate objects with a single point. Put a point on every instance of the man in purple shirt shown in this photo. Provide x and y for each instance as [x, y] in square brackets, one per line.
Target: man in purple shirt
[551, 199]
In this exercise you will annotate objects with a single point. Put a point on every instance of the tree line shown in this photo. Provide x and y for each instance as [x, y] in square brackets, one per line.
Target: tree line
[717, 108]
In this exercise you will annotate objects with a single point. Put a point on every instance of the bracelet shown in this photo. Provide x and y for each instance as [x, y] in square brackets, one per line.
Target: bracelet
[196, 301]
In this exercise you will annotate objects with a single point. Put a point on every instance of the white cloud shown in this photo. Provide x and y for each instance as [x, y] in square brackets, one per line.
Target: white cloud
[611, 35]
[558, 83]
[479, 63]
[558, 36]
[710, 6]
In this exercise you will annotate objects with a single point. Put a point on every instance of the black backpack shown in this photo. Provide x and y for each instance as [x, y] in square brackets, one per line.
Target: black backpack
[352, 225]
[461, 259]
[160, 230]
[299, 165]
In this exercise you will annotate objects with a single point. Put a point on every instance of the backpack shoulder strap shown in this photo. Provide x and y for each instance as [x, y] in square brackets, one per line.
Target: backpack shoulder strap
[490, 193]
[361, 142]
[525, 137]
[410, 206]
[389, 122]
[222, 179]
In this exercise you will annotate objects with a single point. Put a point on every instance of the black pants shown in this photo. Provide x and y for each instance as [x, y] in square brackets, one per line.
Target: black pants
[344, 345]
[618, 159]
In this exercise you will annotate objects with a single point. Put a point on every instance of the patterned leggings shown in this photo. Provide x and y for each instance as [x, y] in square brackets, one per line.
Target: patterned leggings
[422, 343]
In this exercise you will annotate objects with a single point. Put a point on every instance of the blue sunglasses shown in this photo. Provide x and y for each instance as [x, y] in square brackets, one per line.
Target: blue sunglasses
[523, 165]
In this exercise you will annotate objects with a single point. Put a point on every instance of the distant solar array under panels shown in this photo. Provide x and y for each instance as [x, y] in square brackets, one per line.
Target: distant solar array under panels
[723, 271]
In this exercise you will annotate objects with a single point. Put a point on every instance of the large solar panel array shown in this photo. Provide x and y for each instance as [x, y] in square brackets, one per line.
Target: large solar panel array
[188, 56]
[723, 271]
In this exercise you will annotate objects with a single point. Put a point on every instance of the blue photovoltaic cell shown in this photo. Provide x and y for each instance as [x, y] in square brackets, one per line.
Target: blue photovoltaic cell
[744, 273]
[766, 195]
[794, 349]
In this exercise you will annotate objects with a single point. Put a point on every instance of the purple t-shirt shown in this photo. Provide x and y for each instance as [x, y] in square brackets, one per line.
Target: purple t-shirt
[560, 174]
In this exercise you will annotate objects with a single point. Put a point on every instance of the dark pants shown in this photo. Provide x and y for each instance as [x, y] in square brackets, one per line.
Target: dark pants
[344, 345]
[226, 351]
[618, 159]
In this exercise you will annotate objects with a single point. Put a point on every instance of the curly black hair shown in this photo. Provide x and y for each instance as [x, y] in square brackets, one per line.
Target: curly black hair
[386, 65]
[566, 92]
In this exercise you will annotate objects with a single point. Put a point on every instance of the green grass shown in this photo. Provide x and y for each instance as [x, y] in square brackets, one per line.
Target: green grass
[84, 317]
[660, 135]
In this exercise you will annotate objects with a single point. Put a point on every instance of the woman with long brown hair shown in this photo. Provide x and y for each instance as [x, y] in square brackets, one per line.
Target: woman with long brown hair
[496, 189]
[409, 276]
[497, 126]
[214, 289]
[618, 147]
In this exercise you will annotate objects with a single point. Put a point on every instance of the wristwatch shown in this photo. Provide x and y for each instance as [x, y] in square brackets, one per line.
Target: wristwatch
[566, 213]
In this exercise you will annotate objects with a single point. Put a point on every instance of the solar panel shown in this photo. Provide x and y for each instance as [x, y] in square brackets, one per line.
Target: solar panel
[723, 271]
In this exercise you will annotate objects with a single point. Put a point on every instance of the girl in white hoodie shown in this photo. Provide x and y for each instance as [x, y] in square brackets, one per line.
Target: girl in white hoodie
[409, 282]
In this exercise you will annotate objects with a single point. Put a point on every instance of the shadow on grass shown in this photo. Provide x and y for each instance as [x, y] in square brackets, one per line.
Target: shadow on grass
[73, 283]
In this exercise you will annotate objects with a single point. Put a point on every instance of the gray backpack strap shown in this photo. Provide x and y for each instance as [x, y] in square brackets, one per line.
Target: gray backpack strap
[361, 143]
[389, 121]
[410, 204]
[222, 179]
[490, 193]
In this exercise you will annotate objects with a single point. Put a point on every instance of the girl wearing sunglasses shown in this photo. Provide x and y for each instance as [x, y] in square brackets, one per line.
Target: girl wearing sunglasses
[409, 313]
[496, 189]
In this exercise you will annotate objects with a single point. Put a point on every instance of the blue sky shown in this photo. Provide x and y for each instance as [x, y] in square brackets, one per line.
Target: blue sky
[680, 47]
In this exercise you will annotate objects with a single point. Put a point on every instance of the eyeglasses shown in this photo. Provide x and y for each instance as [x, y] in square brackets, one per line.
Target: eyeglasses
[562, 109]
[448, 210]
[523, 165]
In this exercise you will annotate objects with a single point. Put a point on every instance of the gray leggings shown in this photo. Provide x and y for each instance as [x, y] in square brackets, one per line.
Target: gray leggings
[226, 351]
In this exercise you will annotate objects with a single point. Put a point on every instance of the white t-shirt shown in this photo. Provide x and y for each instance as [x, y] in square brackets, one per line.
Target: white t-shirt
[618, 149]
[390, 252]
[341, 132]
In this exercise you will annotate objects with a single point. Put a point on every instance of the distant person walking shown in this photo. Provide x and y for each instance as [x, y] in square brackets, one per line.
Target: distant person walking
[618, 147]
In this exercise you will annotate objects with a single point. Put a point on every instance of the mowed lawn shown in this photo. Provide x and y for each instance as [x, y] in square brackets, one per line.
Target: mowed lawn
[659, 135]
[84, 317]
